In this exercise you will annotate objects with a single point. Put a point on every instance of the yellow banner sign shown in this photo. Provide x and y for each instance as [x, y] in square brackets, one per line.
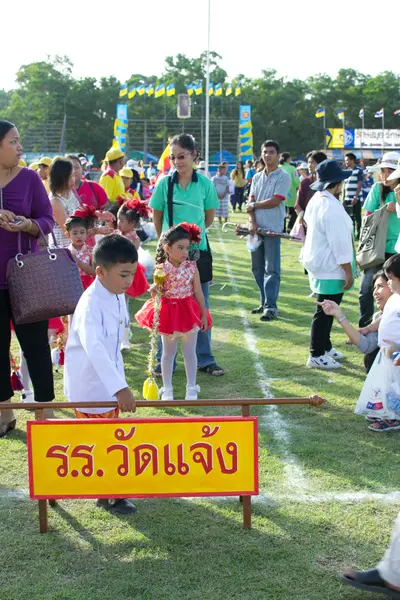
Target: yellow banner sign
[118, 458]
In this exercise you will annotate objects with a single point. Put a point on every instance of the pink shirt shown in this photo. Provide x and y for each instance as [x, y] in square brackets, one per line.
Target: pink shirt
[92, 193]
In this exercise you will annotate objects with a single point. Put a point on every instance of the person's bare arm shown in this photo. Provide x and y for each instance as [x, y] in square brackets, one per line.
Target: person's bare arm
[59, 212]
[349, 276]
[331, 309]
[209, 217]
[88, 269]
[198, 294]
[358, 192]
[265, 204]
[158, 216]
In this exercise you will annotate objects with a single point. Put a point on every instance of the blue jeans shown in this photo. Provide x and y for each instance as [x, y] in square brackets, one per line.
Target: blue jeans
[203, 348]
[266, 267]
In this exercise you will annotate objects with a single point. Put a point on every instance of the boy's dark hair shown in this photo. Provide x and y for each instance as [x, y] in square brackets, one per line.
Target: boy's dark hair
[174, 234]
[380, 273]
[71, 222]
[317, 156]
[392, 266]
[351, 155]
[272, 143]
[114, 249]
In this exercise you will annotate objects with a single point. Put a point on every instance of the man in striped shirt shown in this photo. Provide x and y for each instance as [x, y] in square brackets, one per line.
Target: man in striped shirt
[352, 191]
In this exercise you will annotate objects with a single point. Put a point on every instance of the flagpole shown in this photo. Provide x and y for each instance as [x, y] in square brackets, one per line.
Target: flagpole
[383, 129]
[344, 135]
[362, 132]
[207, 88]
[324, 123]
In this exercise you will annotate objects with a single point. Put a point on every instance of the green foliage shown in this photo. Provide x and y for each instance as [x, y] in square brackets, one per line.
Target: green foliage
[282, 109]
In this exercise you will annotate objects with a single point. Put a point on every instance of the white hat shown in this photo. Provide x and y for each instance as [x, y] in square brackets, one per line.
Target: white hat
[395, 174]
[133, 164]
[388, 161]
[302, 166]
[202, 164]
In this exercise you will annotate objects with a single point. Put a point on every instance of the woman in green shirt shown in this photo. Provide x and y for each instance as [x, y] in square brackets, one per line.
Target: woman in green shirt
[380, 194]
[194, 201]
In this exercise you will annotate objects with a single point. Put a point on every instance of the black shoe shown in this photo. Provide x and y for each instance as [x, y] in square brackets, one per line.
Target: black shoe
[214, 370]
[117, 506]
[258, 310]
[269, 315]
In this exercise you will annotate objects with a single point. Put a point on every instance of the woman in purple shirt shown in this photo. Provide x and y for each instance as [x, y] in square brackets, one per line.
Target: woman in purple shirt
[24, 206]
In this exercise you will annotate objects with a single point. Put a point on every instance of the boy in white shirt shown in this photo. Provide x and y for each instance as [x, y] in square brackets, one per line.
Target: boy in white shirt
[94, 367]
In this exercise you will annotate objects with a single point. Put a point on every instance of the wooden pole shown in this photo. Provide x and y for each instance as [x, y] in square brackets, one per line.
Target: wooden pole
[43, 517]
[246, 500]
[43, 522]
[314, 400]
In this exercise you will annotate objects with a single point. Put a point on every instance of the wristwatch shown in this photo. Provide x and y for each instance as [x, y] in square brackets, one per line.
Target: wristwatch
[342, 318]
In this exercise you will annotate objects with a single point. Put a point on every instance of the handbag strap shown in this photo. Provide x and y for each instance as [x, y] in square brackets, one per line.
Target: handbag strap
[170, 206]
[170, 201]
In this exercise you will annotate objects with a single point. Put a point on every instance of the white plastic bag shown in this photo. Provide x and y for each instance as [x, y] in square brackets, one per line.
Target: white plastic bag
[253, 242]
[379, 390]
[147, 261]
[149, 229]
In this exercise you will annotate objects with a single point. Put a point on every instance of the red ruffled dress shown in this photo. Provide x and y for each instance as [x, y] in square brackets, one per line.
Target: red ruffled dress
[140, 285]
[85, 255]
[180, 312]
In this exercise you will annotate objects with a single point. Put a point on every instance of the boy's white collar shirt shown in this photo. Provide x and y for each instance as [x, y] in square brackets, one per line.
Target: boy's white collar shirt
[94, 367]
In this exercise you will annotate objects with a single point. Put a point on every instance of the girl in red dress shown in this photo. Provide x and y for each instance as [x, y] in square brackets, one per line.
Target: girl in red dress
[183, 311]
[127, 219]
[77, 227]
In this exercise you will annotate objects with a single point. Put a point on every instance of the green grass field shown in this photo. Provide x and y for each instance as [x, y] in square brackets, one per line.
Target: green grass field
[322, 477]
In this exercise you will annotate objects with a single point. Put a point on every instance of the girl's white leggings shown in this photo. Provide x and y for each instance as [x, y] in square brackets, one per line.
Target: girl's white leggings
[170, 346]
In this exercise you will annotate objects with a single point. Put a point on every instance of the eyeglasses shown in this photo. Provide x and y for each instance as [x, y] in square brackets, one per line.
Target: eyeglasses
[180, 157]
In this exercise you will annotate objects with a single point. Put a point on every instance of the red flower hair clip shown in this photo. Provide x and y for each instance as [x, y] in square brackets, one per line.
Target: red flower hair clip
[85, 212]
[140, 207]
[193, 230]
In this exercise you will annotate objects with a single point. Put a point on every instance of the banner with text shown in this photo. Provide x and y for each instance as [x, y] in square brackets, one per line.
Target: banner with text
[129, 458]
[362, 138]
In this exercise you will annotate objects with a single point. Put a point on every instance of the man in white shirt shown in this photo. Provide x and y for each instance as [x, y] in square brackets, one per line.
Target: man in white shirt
[94, 367]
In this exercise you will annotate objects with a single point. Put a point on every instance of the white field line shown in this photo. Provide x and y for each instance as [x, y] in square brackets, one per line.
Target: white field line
[295, 477]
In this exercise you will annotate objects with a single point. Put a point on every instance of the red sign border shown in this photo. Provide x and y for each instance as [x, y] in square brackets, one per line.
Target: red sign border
[31, 424]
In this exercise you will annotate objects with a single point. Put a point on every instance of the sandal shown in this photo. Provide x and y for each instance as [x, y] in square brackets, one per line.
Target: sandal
[370, 581]
[5, 428]
[384, 425]
[214, 370]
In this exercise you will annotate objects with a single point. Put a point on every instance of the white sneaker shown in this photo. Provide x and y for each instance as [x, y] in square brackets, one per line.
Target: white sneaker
[191, 392]
[322, 362]
[125, 346]
[167, 394]
[333, 353]
[28, 396]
